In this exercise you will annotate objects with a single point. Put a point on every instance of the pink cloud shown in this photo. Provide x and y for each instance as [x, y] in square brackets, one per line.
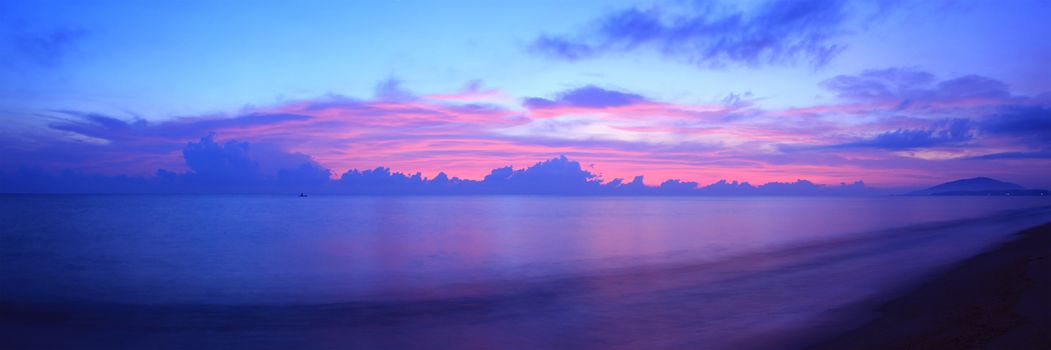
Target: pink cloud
[623, 135]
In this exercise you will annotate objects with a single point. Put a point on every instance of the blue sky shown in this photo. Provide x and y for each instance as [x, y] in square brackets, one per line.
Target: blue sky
[161, 62]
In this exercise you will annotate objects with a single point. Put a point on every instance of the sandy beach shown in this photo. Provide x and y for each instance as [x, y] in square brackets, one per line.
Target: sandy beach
[1000, 299]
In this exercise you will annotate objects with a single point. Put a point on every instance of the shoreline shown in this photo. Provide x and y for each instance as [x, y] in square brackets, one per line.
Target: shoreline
[999, 299]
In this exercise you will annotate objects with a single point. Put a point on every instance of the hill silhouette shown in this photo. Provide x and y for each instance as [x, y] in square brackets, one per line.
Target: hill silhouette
[978, 186]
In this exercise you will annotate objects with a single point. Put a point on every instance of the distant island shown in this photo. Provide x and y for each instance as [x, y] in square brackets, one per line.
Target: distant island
[979, 186]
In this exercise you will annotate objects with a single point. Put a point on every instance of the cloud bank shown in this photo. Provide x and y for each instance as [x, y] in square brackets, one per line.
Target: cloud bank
[238, 167]
[893, 127]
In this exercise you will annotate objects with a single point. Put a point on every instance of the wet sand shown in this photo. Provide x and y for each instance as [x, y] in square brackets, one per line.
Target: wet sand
[1000, 299]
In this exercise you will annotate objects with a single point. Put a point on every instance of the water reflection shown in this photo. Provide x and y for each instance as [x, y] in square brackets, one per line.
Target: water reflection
[469, 271]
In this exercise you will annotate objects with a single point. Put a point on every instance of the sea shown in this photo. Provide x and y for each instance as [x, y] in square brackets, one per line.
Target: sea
[474, 272]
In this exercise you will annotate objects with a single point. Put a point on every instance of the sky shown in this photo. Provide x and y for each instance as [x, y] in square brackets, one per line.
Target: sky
[893, 93]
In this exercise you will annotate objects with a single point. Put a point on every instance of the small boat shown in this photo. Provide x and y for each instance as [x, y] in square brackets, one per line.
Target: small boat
[301, 194]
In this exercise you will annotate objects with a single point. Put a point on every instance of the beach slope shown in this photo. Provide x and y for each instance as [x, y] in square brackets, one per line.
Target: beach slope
[1000, 299]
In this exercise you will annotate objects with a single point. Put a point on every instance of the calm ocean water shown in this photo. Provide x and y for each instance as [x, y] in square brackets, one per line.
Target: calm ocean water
[468, 272]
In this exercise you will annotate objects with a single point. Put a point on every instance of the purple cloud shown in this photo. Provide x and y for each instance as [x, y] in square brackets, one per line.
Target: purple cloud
[972, 86]
[50, 48]
[1014, 155]
[910, 86]
[391, 90]
[112, 129]
[563, 48]
[775, 32]
[949, 132]
[586, 97]
[227, 163]
[1022, 121]
[879, 84]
